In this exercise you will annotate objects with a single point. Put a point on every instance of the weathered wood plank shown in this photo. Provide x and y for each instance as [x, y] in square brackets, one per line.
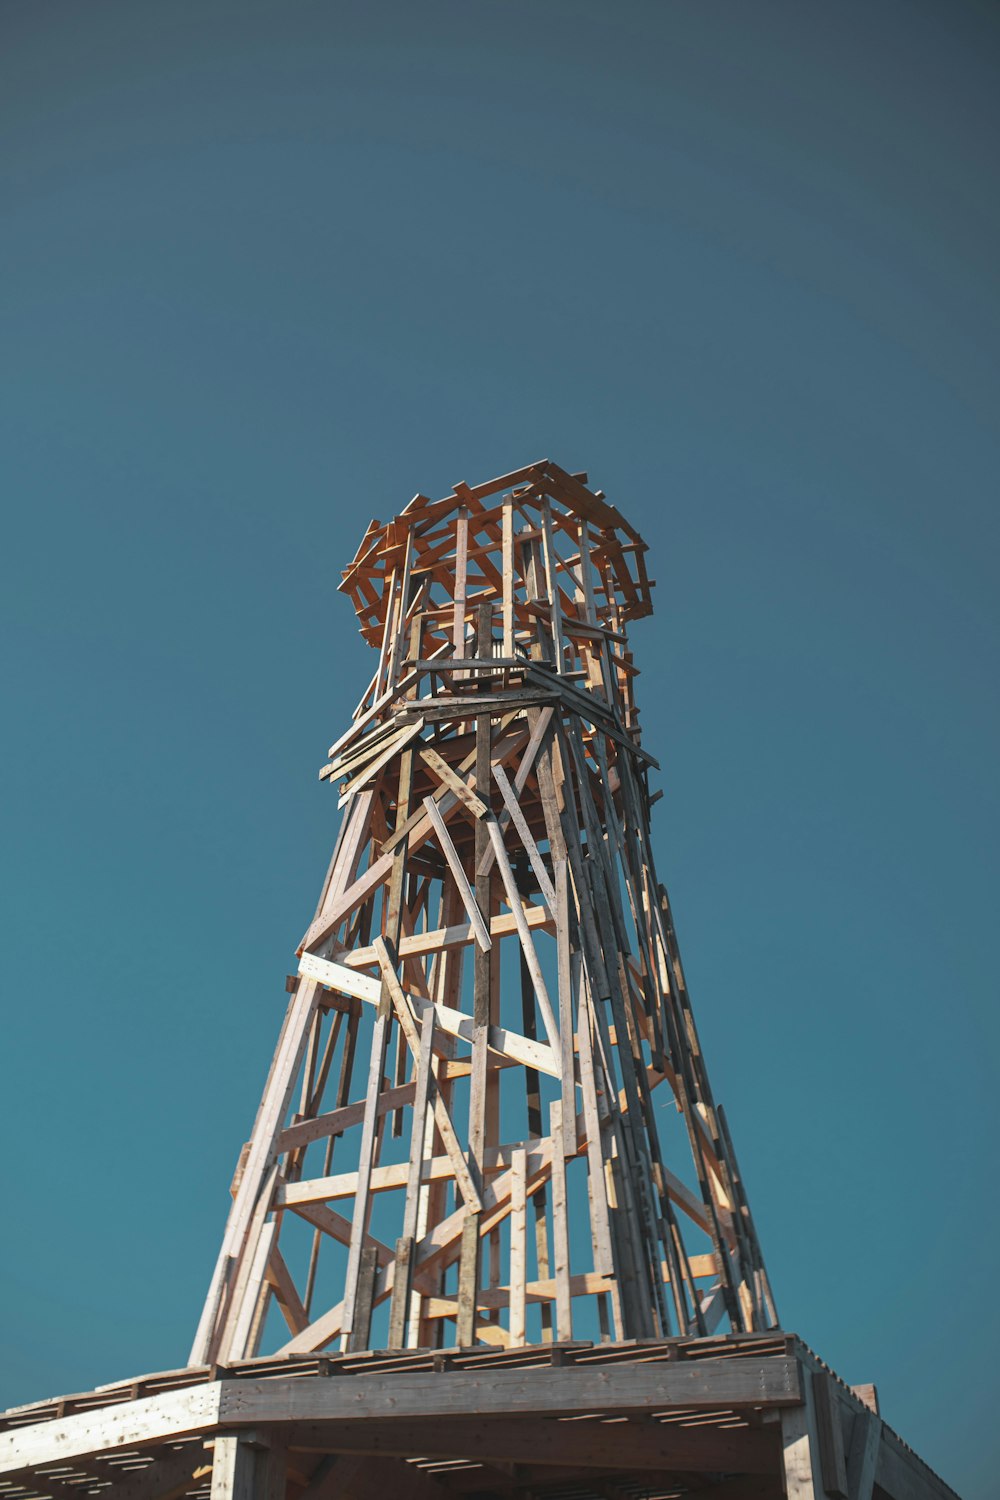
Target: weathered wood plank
[461, 879]
[800, 1446]
[518, 1246]
[504, 924]
[133, 1424]
[862, 1457]
[451, 779]
[829, 1429]
[560, 1225]
[561, 1391]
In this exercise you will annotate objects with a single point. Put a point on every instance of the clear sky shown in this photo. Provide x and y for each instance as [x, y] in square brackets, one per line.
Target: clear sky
[268, 269]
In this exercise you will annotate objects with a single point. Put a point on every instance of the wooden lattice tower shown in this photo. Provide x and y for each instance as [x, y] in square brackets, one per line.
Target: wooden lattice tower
[458, 1138]
[456, 1147]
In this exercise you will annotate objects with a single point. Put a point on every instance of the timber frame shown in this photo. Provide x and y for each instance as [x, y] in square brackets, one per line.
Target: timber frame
[460, 1138]
[521, 1299]
[741, 1417]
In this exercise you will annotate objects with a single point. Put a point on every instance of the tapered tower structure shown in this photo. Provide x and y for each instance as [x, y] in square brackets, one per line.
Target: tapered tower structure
[463, 1259]
[458, 1138]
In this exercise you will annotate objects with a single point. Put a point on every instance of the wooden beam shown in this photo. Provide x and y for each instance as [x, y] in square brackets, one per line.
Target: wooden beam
[132, 1424]
[800, 1446]
[863, 1454]
[829, 1429]
[461, 879]
[725, 1384]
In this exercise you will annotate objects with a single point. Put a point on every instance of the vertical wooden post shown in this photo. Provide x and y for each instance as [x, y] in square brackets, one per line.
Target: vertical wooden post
[507, 565]
[862, 1455]
[800, 1446]
[248, 1465]
[461, 566]
[518, 1245]
[560, 1227]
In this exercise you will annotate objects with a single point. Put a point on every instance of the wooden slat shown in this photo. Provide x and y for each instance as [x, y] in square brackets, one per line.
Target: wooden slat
[461, 880]
[524, 933]
[560, 1226]
[530, 847]
[455, 783]
[518, 1246]
[440, 938]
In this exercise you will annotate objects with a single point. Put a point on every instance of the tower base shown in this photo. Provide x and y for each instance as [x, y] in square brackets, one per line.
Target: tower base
[742, 1417]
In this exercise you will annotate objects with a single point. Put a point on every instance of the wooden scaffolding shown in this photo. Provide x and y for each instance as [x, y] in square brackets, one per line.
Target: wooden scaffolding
[490, 993]
[488, 1235]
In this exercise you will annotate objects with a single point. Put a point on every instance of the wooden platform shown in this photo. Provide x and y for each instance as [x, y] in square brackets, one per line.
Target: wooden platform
[741, 1417]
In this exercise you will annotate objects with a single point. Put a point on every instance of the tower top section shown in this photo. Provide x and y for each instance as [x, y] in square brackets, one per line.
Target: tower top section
[536, 542]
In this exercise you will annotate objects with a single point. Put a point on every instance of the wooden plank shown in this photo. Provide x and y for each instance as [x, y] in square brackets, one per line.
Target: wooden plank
[336, 1121]
[384, 1179]
[421, 1096]
[455, 783]
[723, 1384]
[247, 1466]
[518, 1246]
[250, 1277]
[598, 1193]
[456, 664]
[339, 1228]
[358, 1336]
[401, 1286]
[833, 1464]
[560, 1226]
[552, 586]
[461, 569]
[502, 925]
[461, 879]
[565, 982]
[396, 647]
[132, 1424]
[524, 933]
[862, 1457]
[524, 833]
[508, 576]
[469, 1277]
[496, 704]
[366, 1157]
[468, 1282]
[275, 1101]
[285, 1293]
[800, 1446]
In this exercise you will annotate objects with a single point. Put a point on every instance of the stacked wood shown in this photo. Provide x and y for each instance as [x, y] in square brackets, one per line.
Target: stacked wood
[457, 1142]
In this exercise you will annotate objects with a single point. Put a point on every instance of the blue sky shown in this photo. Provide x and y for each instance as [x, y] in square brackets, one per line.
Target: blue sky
[269, 270]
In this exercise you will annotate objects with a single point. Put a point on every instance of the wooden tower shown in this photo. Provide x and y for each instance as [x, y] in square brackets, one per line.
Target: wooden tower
[478, 1270]
[458, 1139]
